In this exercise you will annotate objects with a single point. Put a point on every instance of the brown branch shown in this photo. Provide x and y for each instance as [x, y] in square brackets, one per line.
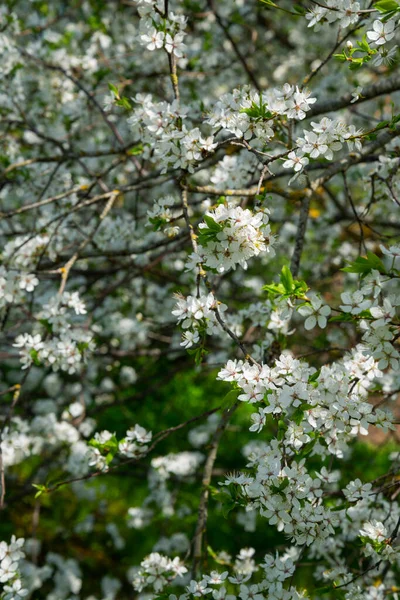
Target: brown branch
[157, 439]
[207, 474]
[67, 267]
[300, 236]
[383, 86]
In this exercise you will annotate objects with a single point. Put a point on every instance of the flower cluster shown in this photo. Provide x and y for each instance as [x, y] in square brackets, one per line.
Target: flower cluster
[326, 137]
[159, 31]
[162, 127]
[135, 442]
[108, 208]
[197, 316]
[162, 214]
[66, 347]
[15, 285]
[350, 12]
[104, 447]
[23, 251]
[157, 571]
[246, 113]
[230, 236]
[66, 352]
[317, 413]
[346, 12]
[10, 556]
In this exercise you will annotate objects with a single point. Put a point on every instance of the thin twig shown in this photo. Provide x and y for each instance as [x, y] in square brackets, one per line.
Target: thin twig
[300, 236]
[207, 474]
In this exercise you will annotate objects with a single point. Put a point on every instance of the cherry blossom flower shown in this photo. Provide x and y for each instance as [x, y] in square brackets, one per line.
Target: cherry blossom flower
[382, 32]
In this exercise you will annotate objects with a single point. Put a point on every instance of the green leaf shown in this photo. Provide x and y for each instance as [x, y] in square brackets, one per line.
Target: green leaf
[34, 356]
[199, 353]
[287, 279]
[324, 590]
[307, 448]
[298, 415]
[211, 224]
[314, 376]
[340, 507]
[299, 9]
[209, 233]
[230, 398]
[282, 428]
[278, 489]
[96, 23]
[41, 489]
[364, 265]
[136, 150]
[113, 89]
[382, 125]
[356, 63]
[105, 448]
[257, 111]
[289, 287]
[82, 346]
[343, 318]
[269, 3]
[284, 484]
[342, 57]
[393, 122]
[364, 44]
[124, 103]
[158, 222]
[385, 6]
[110, 457]
[227, 508]
[273, 5]
[274, 288]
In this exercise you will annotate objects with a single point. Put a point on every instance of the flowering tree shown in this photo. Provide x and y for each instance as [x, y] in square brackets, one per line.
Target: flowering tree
[199, 299]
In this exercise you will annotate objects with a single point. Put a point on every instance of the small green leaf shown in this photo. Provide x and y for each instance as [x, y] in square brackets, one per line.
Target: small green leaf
[343, 318]
[199, 353]
[364, 265]
[211, 224]
[41, 489]
[230, 398]
[282, 428]
[289, 287]
[308, 447]
[314, 376]
[324, 589]
[284, 484]
[34, 356]
[299, 9]
[124, 103]
[385, 6]
[113, 89]
[158, 222]
[287, 279]
[227, 508]
[381, 125]
[110, 457]
[298, 415]
[340, 507]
